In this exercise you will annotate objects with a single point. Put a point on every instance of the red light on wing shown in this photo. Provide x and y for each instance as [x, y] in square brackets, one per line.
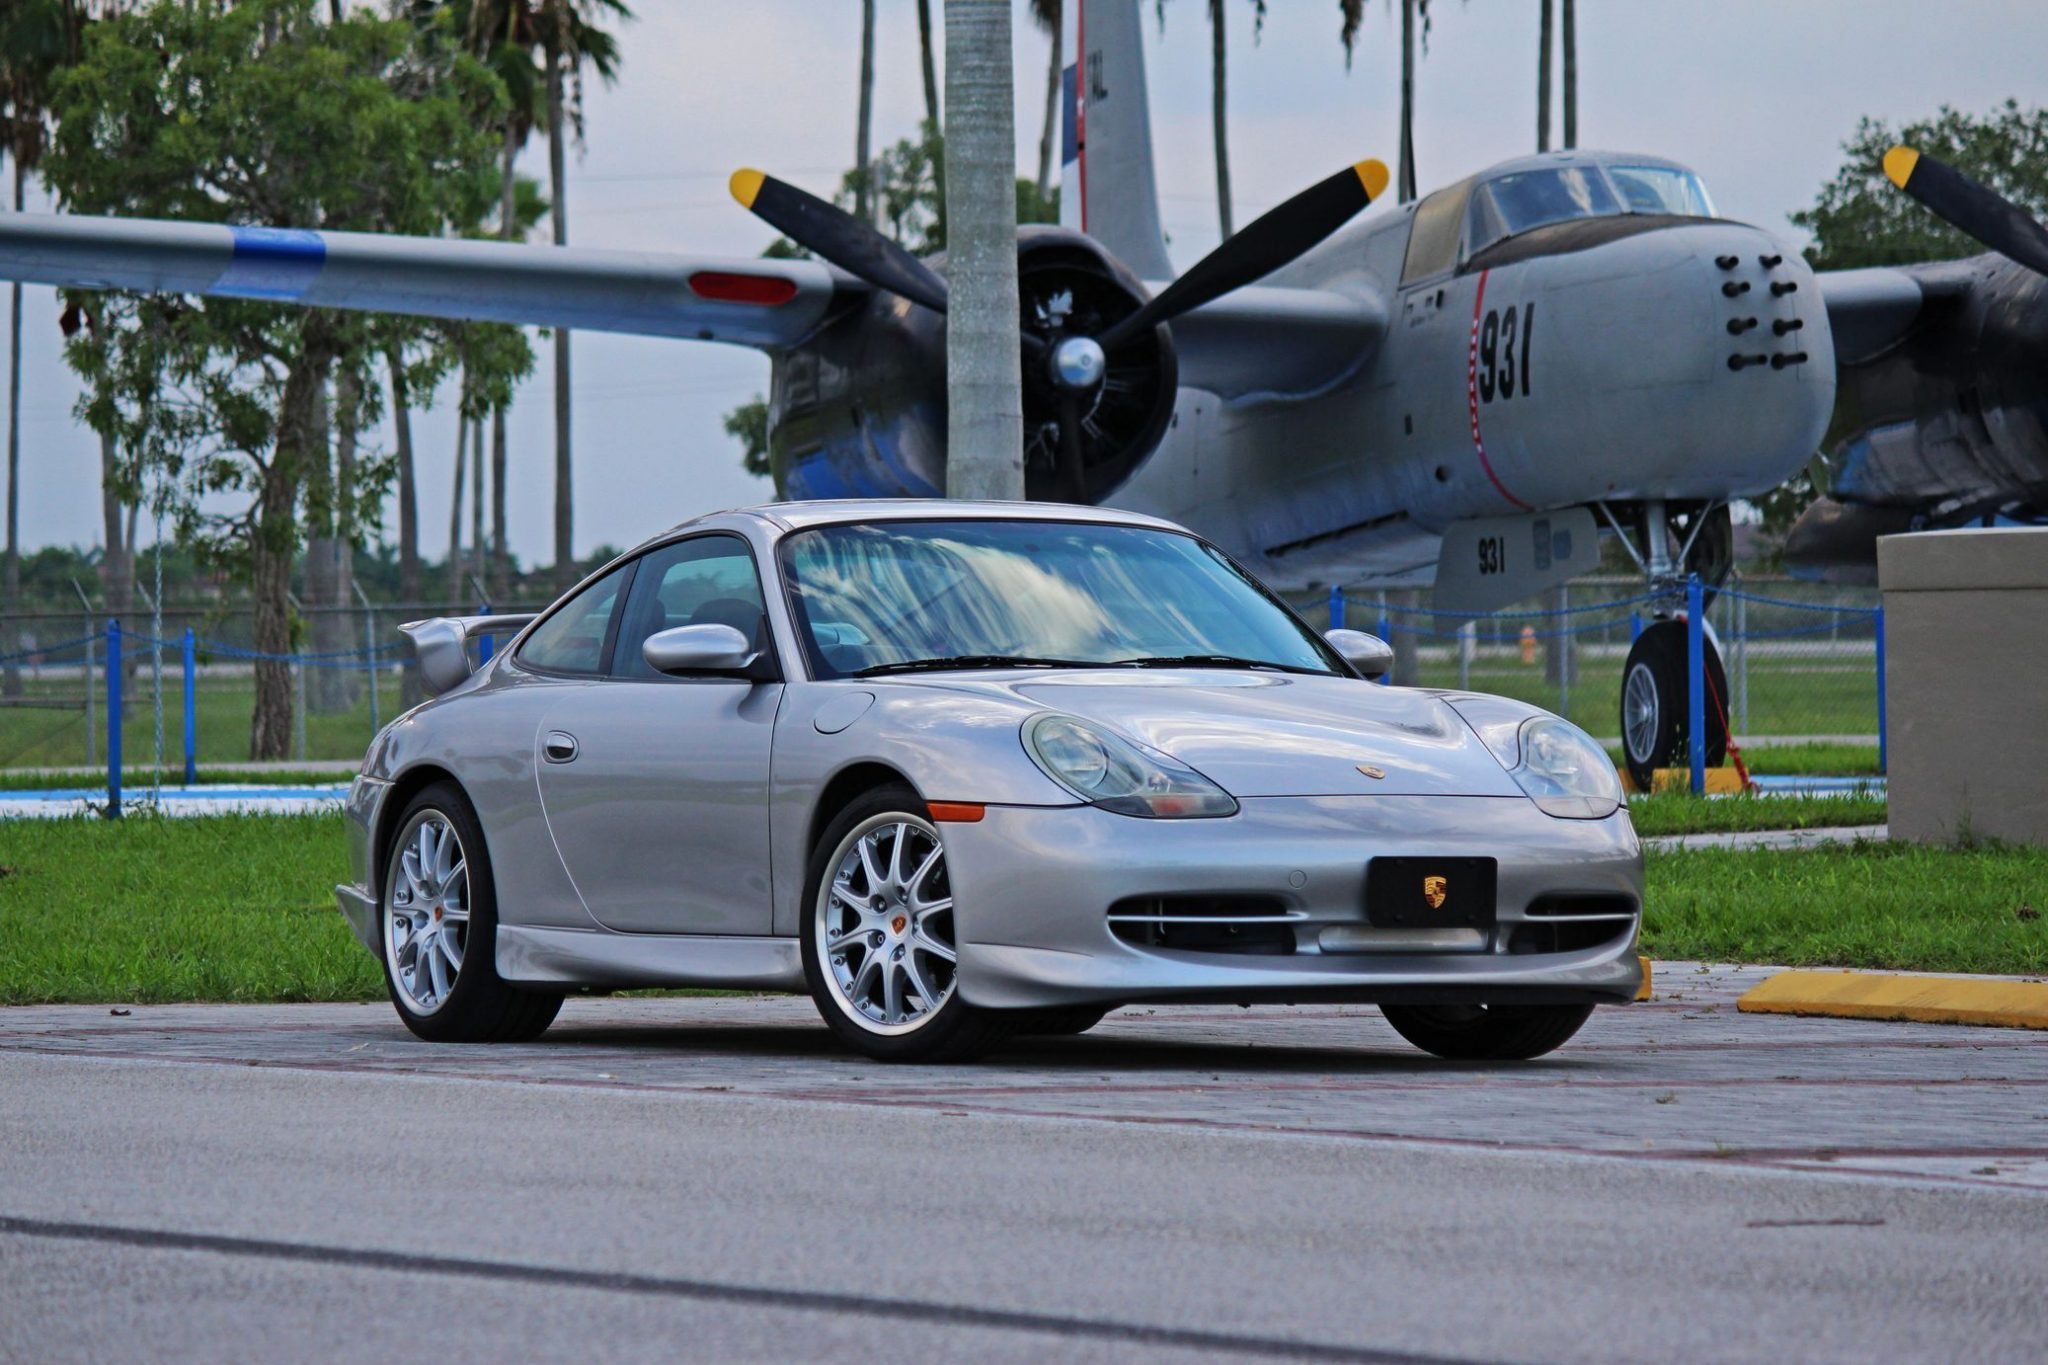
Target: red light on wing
[726, 287]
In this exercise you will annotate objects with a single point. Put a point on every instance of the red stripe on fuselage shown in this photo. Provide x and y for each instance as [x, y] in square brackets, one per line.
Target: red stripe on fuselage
[1472, 396]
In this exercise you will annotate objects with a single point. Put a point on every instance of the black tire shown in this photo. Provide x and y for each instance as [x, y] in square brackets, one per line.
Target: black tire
[479, 1006]
[955, 1031]
[1656, 679]
[1063, 1021]
[1487, 1033]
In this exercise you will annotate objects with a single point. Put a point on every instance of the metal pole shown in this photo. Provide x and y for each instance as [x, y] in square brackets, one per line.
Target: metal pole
[299, 710]
[86, 602]
[1468, 637]
[1563, 640]
[1386, 633]
[369, 651]
[1882, 755]
[113, 719]
[1695, 684]
[1742, 663]
[191, 709]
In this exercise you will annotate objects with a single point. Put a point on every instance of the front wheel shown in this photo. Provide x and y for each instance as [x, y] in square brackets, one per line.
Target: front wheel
[1655, 701]
[879, 946]
[1487, 1033]
[438, 930]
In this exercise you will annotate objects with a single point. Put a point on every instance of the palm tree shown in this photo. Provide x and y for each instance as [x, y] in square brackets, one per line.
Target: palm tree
[1046, 14]
[984, 386]
[924, 49]
[863, 189]
[570, 40]
[1217, 87]
[1412, 11]
[1543, 80]
[1571, 75]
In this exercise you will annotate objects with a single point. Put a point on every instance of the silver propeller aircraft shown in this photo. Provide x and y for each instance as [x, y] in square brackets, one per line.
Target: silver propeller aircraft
[1469, 390]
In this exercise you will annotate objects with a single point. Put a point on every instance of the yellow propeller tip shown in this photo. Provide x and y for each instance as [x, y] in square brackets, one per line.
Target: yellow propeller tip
[1373, 175]
[1899, 163]
[746, 184]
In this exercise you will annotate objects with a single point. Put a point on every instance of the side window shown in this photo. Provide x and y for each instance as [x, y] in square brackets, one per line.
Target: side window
[705, 580]
[1433, 236]
[572, 639]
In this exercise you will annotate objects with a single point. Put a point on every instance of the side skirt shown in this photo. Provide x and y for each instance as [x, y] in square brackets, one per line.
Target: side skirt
[584, 957]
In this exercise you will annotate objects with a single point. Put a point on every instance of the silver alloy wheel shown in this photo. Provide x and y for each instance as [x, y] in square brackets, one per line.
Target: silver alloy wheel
[883, 925]
[1640, 707]
[426, 912]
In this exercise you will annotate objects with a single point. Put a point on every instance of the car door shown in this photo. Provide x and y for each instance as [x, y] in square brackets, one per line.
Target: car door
[655, 787]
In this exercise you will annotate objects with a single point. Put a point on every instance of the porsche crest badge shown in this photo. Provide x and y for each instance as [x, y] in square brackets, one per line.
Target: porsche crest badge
[1372, 772]
[1434, 889]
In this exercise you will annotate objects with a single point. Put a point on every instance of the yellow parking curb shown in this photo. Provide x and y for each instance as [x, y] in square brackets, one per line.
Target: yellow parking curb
[1720, 781]
[1921, 999]
[1643, 991]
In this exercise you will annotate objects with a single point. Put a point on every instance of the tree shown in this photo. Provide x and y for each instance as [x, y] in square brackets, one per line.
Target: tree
[1571, 73]
[1543, 77]
[36, 38]
[271, 119]
[571, 39]
[1218, 86]
[863, 191]
[1860, 218]
[984, 386]
[1046, 14]
[1352, 13]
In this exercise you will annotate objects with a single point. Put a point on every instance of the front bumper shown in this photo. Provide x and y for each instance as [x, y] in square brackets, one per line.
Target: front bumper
[1034, 887]
[358, 896]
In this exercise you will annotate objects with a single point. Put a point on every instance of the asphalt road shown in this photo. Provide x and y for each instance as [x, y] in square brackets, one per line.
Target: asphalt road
[678, 1178]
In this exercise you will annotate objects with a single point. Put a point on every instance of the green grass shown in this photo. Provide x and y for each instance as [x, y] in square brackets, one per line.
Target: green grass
[1801, 760]
[1901, 906]
[227, 908]
[1684, 813]
[238, 908]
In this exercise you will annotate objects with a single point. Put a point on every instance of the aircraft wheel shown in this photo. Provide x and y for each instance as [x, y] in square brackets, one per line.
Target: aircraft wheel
[1654, 703]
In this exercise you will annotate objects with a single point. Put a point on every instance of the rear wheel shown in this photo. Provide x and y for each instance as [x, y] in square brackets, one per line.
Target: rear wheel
[1654, 703]
[1487, 1033]
[438, 930]
[879, 945]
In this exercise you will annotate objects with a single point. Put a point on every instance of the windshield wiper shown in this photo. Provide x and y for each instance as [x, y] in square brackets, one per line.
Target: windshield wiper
[1211, 661]
[972, 661]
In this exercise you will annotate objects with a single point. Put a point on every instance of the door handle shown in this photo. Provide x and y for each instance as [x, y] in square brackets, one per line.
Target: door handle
[558, 747]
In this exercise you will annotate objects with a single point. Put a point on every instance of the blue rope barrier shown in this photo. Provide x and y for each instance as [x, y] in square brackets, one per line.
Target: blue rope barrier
[1507, 615]
[1797, 606]
[44, 651]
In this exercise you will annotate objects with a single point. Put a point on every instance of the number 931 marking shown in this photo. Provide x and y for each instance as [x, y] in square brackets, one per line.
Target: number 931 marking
[1503, 369]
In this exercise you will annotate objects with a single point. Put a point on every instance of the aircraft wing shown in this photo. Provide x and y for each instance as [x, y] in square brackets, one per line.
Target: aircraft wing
[1869, 310]
[1267, 341]
[742, 300]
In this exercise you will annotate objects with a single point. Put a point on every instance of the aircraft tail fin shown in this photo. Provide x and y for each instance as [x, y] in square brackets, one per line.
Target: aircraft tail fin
[1107, 189]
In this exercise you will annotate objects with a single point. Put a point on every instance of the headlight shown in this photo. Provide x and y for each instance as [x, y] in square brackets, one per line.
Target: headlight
[1117, 775]
[1560, 767]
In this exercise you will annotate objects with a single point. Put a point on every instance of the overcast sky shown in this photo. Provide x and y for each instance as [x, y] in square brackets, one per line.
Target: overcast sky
[1757, 95]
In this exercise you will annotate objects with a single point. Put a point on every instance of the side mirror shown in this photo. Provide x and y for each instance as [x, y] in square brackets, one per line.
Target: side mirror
[698, 649]
[1369, 654]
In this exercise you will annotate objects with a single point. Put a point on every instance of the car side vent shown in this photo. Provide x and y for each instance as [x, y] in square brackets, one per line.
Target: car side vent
[1261, 925]
[1581, 907]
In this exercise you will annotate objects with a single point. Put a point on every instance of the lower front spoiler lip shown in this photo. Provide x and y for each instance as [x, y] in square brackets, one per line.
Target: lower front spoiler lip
[360, 909]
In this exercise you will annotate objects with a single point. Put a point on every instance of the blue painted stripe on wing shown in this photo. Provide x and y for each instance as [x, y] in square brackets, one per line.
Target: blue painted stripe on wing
[273, 263]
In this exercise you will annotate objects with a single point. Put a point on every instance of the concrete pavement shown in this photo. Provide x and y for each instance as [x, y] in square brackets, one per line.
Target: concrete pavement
[711, 1177]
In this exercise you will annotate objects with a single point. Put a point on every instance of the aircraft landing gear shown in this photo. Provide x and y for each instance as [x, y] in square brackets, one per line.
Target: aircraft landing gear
[1655, 704]
[1655, 693]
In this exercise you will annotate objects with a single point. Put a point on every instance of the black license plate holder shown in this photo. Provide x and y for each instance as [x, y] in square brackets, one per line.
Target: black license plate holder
[1398, 892]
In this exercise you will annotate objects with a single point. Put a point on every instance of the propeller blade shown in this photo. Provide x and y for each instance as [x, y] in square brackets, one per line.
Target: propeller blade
[839, 237]
[1977, 209]
[1073, 460]
[1265, 244]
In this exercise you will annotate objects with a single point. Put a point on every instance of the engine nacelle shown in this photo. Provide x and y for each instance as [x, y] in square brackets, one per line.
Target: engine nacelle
[859, 410]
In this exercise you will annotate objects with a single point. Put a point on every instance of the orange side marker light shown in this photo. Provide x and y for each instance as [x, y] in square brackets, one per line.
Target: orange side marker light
[956, 812]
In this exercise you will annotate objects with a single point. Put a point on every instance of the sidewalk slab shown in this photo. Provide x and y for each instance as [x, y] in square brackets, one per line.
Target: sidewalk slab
[1767, 838]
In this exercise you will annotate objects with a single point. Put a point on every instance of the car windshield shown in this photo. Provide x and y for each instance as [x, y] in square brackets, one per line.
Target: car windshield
[903, 595]
[1661, 189]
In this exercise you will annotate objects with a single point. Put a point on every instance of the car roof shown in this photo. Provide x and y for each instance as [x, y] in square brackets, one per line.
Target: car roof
[795, 516]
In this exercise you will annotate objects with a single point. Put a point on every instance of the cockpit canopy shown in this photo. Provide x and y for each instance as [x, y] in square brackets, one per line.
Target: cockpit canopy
[1459, 221]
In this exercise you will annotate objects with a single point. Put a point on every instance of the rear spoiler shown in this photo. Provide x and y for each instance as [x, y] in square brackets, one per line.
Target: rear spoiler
[441, 644]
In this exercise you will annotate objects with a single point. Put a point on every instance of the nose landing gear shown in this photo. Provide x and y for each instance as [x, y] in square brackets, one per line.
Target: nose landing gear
[1656, 703]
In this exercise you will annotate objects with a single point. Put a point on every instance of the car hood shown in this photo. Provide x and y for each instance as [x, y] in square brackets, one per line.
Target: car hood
[1276, 734]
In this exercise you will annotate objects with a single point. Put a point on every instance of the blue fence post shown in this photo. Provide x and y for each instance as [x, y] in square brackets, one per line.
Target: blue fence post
[484, 643]
[191, 709]
[113, 719]
[1882, 766]
[1336, 607]
[1695, 681]
[1635, 626]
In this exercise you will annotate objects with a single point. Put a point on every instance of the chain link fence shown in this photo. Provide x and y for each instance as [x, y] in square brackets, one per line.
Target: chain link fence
[1802, 661]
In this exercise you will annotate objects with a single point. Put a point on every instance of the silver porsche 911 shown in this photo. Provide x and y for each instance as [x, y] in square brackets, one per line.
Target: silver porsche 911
[963, 771]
